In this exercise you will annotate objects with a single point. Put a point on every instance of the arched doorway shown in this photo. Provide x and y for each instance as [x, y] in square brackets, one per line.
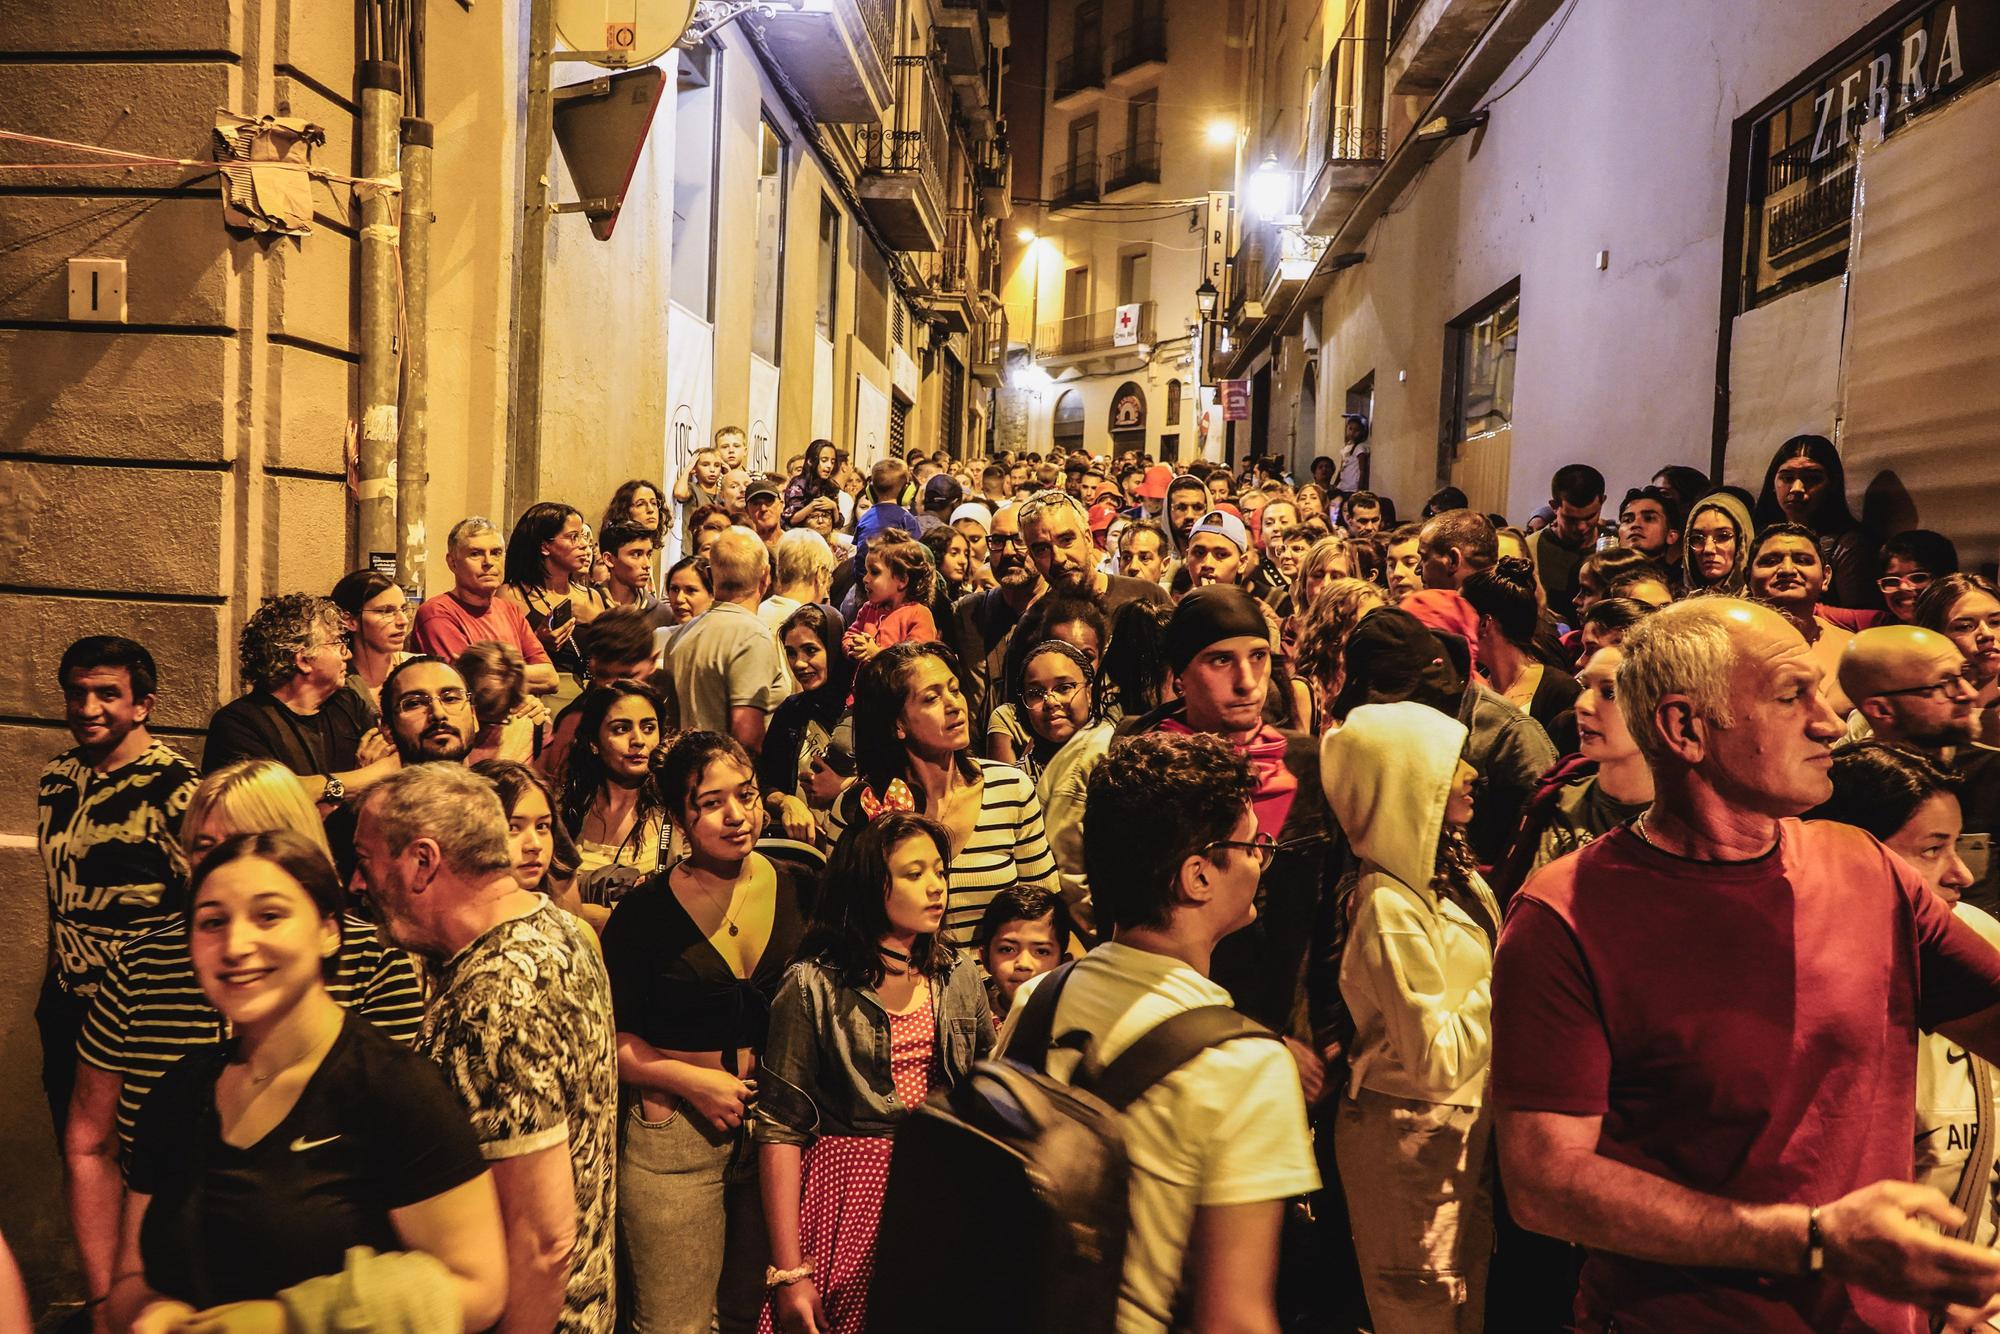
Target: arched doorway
[1305, 434]
[1067, 425]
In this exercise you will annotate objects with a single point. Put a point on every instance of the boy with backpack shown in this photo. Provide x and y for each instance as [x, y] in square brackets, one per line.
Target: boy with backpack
[1216, 1146]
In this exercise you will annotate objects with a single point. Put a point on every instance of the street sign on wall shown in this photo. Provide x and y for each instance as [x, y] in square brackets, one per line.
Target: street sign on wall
[1235, 396]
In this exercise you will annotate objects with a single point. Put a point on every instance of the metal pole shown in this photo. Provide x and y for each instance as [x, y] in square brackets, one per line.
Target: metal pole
[413, 450]
[381, 107]
[524, 460]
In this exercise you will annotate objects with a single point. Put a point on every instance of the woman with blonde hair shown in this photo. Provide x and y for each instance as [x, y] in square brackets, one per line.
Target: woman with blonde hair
[150, 1009]
[1324, 626]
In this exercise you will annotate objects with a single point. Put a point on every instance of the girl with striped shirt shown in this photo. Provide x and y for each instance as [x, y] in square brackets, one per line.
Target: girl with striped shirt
[913, 752]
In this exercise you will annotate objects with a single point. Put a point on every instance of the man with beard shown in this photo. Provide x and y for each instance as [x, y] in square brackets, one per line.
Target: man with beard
[981, 622]
[1916, 691]
[1187, 500]
[427, 712]
[1057, 529]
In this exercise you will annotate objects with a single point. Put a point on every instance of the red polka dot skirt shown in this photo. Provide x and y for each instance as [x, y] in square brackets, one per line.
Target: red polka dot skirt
[844, 1180]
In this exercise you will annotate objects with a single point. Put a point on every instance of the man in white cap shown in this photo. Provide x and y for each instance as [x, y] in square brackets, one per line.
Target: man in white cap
[1215, 548]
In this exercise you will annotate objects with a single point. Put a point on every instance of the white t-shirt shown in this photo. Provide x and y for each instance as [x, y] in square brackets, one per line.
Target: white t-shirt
[1229, 1127]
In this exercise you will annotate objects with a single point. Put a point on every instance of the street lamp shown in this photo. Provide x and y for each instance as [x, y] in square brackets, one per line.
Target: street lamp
[1205, 297]
[1271, 189]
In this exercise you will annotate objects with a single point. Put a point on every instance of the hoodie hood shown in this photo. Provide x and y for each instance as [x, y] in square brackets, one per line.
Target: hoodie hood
[1738, 514]
[1387, 772]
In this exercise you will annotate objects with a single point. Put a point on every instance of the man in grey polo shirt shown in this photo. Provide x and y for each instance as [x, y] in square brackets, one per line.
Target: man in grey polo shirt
[728, 672]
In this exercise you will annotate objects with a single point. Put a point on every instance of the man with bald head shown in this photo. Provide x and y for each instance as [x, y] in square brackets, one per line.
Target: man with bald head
[1705, 1022]
[728, 673]
[1915, 690]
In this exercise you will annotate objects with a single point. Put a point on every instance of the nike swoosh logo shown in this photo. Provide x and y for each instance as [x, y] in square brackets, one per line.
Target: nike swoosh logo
[301, 1144]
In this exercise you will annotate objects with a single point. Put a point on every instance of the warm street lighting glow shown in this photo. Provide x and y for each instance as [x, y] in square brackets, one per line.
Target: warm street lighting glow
[1205, 297]
[1220, 132]
[1026, 236]
[1033, 378]
[1271, 189]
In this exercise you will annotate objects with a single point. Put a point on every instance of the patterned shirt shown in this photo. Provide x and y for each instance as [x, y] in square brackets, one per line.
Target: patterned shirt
[110, 846]
[150, 1011]
[520, 1025]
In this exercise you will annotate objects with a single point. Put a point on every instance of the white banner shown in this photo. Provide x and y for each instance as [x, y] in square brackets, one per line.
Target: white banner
[1125, 326]
[763, 426]
[822, 412]
[871, 423]
[690, 395]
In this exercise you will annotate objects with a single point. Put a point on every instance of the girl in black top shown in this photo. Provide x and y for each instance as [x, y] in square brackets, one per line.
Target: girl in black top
[1806, 484]
[695, 956]
[548, 577]
[257, 1165]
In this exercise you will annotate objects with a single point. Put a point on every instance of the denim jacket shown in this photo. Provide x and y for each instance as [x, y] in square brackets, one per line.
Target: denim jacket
[825, 1069]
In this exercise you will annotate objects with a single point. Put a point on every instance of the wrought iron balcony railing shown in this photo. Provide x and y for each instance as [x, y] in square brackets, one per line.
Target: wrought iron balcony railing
[1136, 164]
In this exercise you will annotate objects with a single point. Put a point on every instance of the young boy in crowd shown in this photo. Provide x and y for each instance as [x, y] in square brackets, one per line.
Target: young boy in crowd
[628, 553]
[886, 481]
[1022, 935]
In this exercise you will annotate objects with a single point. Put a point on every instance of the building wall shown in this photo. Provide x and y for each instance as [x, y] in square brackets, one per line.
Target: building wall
[1197, 89]
[1597, 149]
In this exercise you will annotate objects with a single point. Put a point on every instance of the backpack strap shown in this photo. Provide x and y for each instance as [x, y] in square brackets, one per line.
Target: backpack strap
[1165, 1048]
[1029, 1046]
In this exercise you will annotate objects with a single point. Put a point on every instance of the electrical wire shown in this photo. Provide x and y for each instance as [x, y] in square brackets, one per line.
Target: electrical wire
[1556, 32]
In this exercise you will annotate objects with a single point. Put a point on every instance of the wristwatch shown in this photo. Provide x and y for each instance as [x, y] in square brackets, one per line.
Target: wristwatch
[1815, 1243]
[335, 791]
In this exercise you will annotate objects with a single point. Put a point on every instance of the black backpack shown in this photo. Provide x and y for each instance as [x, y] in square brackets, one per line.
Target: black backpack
[1014, 1173]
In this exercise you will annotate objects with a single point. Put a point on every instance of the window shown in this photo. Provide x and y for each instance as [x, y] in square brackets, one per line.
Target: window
[951, 403]
[829, 266]
[1135, 277]
[1076, 293]
[871, 300]
[899, 424]
[1068, 424]
[1089, 32]
[1142, 121]
[695, 170]
[1479, 397]
[1173, 402]
[767, 284]
[1083, 141]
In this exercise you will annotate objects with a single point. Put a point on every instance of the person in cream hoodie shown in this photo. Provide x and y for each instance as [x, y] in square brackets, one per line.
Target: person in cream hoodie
[1412, 1134]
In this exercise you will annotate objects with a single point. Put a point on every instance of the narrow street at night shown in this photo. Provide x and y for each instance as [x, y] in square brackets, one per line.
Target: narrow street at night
[978, 666]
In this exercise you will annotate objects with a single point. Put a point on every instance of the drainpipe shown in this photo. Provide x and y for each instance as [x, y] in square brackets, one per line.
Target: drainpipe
[413, 443]
[412, 451]
[381, 107]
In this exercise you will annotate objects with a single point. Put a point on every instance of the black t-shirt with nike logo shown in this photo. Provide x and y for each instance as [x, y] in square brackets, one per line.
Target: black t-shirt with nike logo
[374, 1129]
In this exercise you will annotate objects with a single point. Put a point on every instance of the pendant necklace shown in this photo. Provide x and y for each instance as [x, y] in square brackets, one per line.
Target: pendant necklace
[728, 913]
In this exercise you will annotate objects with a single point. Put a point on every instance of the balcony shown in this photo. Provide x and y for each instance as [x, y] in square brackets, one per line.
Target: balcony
[1073, 183]
[1079, 72]
[977, 96]
[989, 349]
[949, 277]
[902, 166]
[1430, 37]
[959, 36]
[1138, 164]
[1097, 332]
[836, 53]
[993, 175]
[1346, 142]
[1142, 44]
[1268, 270]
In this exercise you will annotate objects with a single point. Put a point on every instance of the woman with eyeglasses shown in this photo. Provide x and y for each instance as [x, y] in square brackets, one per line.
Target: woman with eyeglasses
[1911, 562]
[1413, 949]
[1965, 608]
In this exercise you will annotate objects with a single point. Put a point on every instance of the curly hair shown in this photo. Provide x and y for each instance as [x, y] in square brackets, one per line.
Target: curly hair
[1155, 801]
[278, 631]
[1326, 622]
[909, 560]
[851, 914]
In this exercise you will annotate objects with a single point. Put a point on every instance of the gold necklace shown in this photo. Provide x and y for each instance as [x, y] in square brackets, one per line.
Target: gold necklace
[728, 913]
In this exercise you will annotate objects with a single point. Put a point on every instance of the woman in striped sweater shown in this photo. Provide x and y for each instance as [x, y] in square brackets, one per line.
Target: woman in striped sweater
[913, 752]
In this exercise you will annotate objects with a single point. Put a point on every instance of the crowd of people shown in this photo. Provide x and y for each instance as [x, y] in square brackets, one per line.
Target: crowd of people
[1607, 902]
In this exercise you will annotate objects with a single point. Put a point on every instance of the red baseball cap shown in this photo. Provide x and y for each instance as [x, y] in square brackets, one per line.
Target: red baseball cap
[1158, 478]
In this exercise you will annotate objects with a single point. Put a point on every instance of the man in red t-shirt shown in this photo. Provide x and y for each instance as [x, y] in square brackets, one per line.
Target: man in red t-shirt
[1705, 1022]
[472, 611]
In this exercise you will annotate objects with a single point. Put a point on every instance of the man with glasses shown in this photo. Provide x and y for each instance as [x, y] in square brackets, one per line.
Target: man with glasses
[981, 621]
[298, 709]
[1175, 854]
[1914, 689]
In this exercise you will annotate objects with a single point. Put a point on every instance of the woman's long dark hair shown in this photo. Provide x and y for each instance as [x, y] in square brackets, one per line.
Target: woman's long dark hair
[620, 508]
[540, 522]
[1132, 671]
[1833, 516]
[851, 914]
[881, 688]
[1878, 788]
[585, 777]
[839, 667]
[513, 778]
[684, 764]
